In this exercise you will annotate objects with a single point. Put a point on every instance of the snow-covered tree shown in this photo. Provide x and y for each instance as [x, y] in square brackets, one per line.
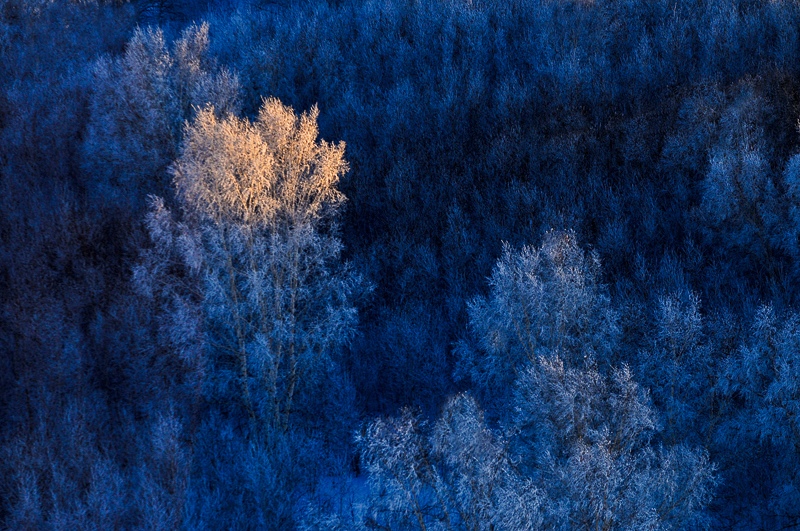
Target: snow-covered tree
[259, 204]
[138, 106]
[741, 208]
[761, 381]
[586, 441]
[543, 301]
[457, 475]
[678, 368]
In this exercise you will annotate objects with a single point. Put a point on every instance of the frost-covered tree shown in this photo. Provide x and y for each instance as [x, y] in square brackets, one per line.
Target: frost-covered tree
[789, 237]
[761, 381]
[457, 475]
[58, 473]
[259, 203]
[396, 454]
[678, 368]
[580, 457]
[741, 209]
[586, 441]
[543, 301]
[138, 105]
[253, 305]
[479, 474]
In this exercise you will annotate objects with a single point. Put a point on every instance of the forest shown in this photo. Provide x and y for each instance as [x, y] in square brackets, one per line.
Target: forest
[394, 265]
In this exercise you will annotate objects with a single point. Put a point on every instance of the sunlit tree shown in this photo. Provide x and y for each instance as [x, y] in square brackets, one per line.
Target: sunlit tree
[259, 203]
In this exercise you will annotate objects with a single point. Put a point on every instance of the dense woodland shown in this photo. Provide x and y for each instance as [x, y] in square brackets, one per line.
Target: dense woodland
[400, 264]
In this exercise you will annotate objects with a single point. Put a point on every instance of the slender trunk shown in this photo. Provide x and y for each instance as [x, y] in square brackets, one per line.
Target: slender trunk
[243, 376]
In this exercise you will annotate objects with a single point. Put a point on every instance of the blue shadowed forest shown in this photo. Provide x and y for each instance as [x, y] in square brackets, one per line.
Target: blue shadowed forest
[507, 265]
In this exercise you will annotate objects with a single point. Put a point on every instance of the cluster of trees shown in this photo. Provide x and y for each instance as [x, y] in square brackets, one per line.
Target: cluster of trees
[399, 264]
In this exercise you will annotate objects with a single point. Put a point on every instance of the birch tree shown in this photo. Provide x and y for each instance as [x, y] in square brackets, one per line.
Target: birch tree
[259, 204]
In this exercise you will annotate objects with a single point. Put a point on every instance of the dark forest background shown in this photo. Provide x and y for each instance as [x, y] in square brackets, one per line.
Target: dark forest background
[400, 264]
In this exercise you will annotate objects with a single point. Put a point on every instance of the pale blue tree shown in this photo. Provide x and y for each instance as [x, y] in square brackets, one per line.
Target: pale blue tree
[760, 381]
[585, 439]
[543, 301]
[138, 105]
